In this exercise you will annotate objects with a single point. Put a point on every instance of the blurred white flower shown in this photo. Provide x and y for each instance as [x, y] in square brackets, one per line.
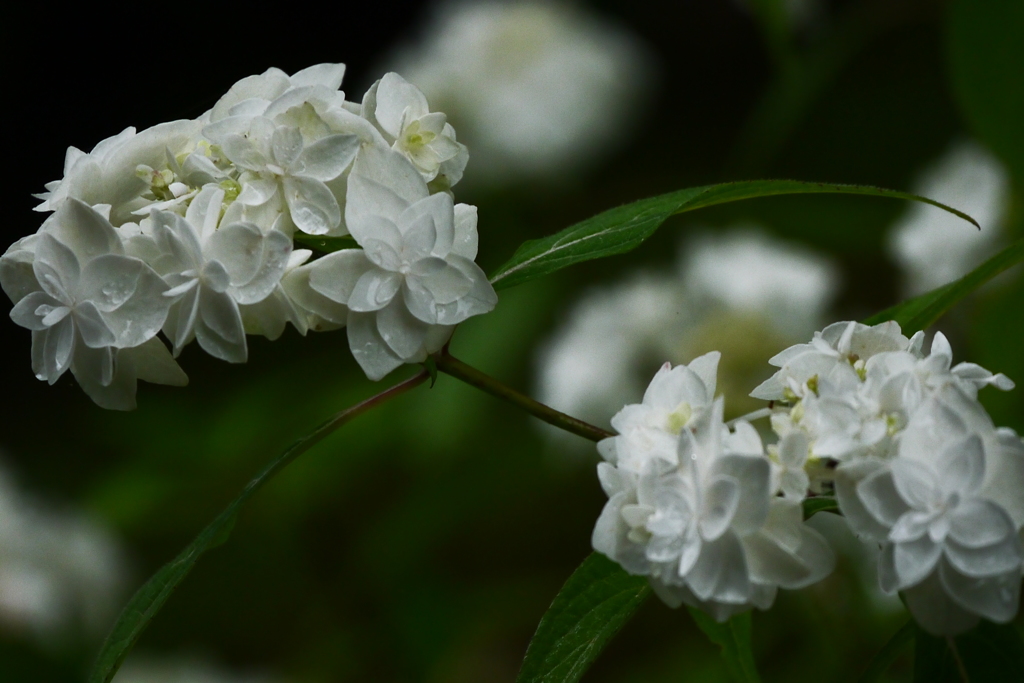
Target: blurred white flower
[147, 669]
[934, 247]
[59, 572]
[741, 292]
[535, 88]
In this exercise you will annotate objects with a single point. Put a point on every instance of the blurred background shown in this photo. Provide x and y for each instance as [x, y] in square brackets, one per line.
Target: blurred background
[424, 541]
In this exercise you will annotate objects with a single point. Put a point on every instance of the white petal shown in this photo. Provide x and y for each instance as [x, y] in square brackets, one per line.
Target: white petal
[978, 523]
[994, 598]
[374, 290]
[83, 230]
[335, 275]
[403, 333]
[721, 572]
[328, 157]
[721, 500]
[91, 326]
[313, 206]
[153, 363]
[915, 560]
[980, 562]
[25, 312]
[753, 475]
[368, 348]
[327, 75]
[285, 146]
[935, 611]
[398, 99]
[465, 240]
[218, 327]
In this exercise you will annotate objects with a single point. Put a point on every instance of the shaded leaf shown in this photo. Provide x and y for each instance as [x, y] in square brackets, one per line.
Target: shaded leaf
[922, 311]
[820, 504]
[988, 653]
[624, 228]
[596, 601]
[733, 637]
[148, 600]
[889, 652]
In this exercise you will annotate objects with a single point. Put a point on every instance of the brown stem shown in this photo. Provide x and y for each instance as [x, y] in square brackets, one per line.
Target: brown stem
[450, 365]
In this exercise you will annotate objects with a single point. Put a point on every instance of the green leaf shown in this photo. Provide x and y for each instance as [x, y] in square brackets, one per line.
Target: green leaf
[988, 653]
[324, 245]
[624, 228]
[820, 504]
[148, 600]
[889, 652]
[596, 601]
[986, 50]
[733, 637]
[922, 311]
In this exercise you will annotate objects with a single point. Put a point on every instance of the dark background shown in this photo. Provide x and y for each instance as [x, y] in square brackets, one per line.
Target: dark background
[424, 542]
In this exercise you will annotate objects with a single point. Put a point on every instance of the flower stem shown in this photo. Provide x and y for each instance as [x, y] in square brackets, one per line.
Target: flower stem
[470, 375]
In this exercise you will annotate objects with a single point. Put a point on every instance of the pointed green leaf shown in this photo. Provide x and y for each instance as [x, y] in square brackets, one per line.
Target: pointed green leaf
[596, 601]
[733, 637]
[922, 311]
[624, 228]
[820, 504]
[148, 600]
[988, 653]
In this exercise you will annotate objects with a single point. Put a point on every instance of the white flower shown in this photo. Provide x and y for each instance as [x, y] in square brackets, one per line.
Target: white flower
[414, 277]
[211, 270]
[277, 163]
[835, 355]
[108, 175]
[934, 247]
[86, 300]
[424, 138]
[789, 474]
[675, 399]
[59, 571]
[948, 543]
[613, 338]
[699, 519]
[535, 88]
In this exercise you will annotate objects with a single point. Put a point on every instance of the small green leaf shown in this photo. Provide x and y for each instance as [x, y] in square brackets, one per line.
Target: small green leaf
[596, 601]
[733, 637]
[148, 600]
[884, 658]
[624, 228]
[922, 311]
[820, 504]
[988, 653]
[324, 245]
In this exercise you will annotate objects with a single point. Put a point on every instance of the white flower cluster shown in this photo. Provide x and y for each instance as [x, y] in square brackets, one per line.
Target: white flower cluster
[714, 518]
[187, 228]
[692, 503]
[915, 462]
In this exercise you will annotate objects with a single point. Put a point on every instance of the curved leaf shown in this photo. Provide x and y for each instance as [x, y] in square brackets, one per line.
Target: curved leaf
[624, 228]
[148, 600]
[820, 504]
[733, 637]
[921, 311]
[592, 606]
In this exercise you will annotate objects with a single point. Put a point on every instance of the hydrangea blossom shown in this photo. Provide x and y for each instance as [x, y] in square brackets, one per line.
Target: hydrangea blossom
[916, 464]
[414, 278]
[692, 508]
[187, 228]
